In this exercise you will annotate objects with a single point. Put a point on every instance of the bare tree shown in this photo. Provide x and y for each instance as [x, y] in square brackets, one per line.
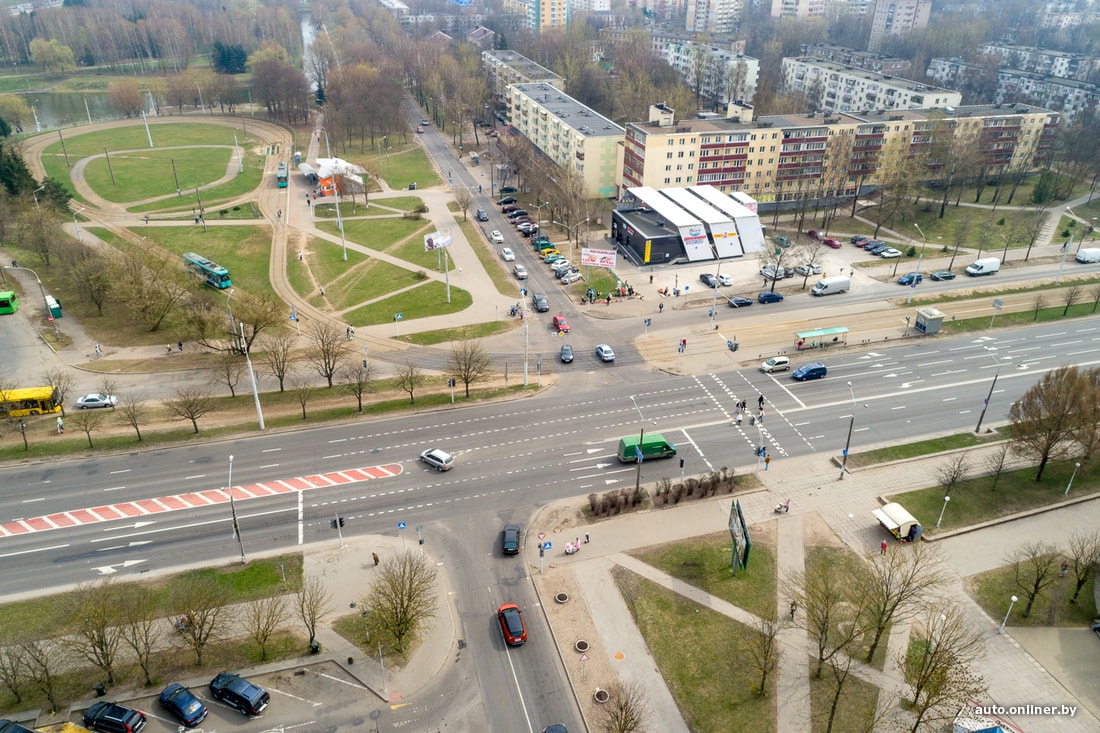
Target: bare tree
[939, 666]
[43, 665]
[303, 391]
[328, 348]
[263, 618]
[190, 403]
[951, 473]
[828, 616]
[761, 651]
[141, 625]
[1034, 568]
[93, 631]
[228, 369]
[626, 710]
[87, 421]
[359, 380]
[895, 585]
[1094, 293]
[402, 597]
[1043, 419]
[62, 381]
[202, 605]
[996, 462]
[464, 197]
[13, 672]
[1037, 304]
[1071, 295]
[470, 363]
[277, 356]
[312, 603]
[1084, 552]
[410, 378]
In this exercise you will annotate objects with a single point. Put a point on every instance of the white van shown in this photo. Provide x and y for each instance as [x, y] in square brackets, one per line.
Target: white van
[984, 266]
[830, 285]
[1088, 255]
[776, 364]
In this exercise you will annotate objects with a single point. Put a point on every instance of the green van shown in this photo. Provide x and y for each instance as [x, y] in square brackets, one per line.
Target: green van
[653, 446]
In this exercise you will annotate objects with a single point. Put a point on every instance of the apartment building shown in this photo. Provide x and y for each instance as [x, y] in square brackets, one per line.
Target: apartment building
[508, 67]
[727, 76]
[866, 60]
[569, 134]
[833, 87]
[660, 40]
[540, 14]
[798, 8]
[713, 16]
[897, 18]
[781, 158]
[1044, 61]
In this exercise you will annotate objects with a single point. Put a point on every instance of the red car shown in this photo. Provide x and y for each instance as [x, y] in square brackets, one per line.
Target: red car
[511, 624]
[560, 324]
[830, 242]
[815, 235]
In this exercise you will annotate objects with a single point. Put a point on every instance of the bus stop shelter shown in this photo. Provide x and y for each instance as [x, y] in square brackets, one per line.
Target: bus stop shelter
[821, 338]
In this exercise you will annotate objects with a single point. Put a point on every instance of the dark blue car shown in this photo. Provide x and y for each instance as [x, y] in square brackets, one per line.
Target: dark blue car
[769, 297]
[813, 370]
[180, 701]
[910, 278]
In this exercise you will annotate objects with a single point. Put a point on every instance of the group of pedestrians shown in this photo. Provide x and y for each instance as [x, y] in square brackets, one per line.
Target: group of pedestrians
[743, 407]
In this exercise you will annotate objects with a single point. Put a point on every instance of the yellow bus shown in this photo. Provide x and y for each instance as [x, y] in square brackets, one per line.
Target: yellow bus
[30, 401]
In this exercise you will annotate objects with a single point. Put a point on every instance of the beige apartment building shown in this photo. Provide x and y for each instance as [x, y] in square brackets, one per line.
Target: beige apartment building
[782, 157]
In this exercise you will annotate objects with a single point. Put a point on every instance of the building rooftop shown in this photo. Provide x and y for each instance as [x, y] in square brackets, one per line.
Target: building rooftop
[583, 120]
[885, 79]
[522, 65]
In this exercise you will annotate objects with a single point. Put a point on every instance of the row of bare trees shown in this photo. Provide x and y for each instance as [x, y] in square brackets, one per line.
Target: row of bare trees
[1037, 566]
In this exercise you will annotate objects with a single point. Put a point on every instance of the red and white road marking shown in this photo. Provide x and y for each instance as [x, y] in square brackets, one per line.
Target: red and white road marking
[195, 500]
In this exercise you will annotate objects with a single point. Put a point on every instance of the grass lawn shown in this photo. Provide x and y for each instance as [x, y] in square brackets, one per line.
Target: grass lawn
[384, 234]
[975, 500]
[855, 709]
[245, 251]
[1023, 318]
[993, 589]
[821, 559]
[918, 448]
[462, 333]
[699, 653]
[705, 563]
[430, 299]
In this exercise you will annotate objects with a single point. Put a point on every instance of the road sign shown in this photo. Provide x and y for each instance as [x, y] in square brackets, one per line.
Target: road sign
[401, 525]
[547, 545]
[584, 657]
[998, 304]
[542, 536]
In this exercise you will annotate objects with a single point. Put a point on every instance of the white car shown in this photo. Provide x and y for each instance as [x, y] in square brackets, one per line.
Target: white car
[520, 272]
[496, 236]
[808, 269]
[92, 401]
[725, 280]
[508, 255]
[889, 253]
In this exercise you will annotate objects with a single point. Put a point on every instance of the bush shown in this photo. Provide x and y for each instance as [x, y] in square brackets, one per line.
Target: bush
[420, 275]
[911, 252]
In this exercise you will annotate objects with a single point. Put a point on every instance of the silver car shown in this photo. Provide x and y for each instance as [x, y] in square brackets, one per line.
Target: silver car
[438, 459]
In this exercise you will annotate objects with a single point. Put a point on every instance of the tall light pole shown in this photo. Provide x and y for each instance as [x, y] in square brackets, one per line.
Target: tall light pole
[912, 285]
[1010, 605]
[641, 438]
[1072, 476]
[42, 291]
[233, 512]
[714, 297]
[946, 499]
[336, 191]
[851, 427]
[35, 194]
[229, 311]
[988, 397]
[252, 376]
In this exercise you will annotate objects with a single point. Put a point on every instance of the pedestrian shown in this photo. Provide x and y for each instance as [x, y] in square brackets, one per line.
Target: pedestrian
[650, 279]
[146, 218]
[169, 347]
[794, 609]
[586, 538]
[1063, 569]
[576, 542]
[322, 292]
[882, 547]
[374, 556]
[744, 405]
[609, 300]
[98, 351]
[279, 214]
[299, 256]
[180, 345]
[660, 307]
[347, 331]
[479, 188]
[60, 426]
[760, 402]
[196, 220]
[760, 417]
[767, 461]
[307, 201]
[738, 419]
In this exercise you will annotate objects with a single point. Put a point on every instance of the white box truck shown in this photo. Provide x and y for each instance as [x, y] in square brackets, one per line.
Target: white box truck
[1088, 255]
[830, 285]
[984, 266]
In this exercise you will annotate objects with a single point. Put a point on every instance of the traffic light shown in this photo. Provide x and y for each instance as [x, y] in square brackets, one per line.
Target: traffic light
[332, 523]
[341, 521]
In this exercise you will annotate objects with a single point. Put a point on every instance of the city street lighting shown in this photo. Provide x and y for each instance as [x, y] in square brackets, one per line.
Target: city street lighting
[945, 500]
[851, 427]
[42, 290]
[1072, 476]
[985, 405]
[919, 260]
[233, 512]
[35, 193]
[1010, 605]
[336, 192]
[714, 297]
[641, 438]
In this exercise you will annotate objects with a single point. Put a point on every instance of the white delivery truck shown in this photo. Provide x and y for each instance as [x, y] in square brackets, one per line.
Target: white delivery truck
[984, 266]
[1088, 255]
[830, 285]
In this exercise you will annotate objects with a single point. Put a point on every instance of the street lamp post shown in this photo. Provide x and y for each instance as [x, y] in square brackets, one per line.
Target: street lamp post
[714, 298]
[252, 377]
[912, 285]
[233, 512]
[42, 291]
[851, 427]
[641, 438]
[988, 397]
[1072, 476]
[946, 499]
[336, 192]
[35, 194]
[1010, 605]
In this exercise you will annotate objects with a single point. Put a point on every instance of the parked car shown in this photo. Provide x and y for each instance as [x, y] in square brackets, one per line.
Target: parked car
[910, 278]
[738, 301]
[496, 236]
[511, 624]
[183, 704]
[509, 189]
[531, 231]
[813, 370]
[830, 242]
[560, 324]
[605, 353]
[510, 207]
[572, 277]
[548, 252]
[814, 235]
[526, 227]
[520, 272]
[889, 253]
[237, 692]
[438, 459]
[538, 300]
[515, 213]
[566, 354]
[769, 297]
[111, 717]
[771, 272]
[482, 215]
[563, 272]
[510, 543]
[9, 726]
[560, 266]
[92, 401]
[857, 238]
[725, 280]
[870, 243]
[877, 247]
[553, 257]
[807, 269]
[412, 186]
[709, 280]
[943, 275]
[506, 200]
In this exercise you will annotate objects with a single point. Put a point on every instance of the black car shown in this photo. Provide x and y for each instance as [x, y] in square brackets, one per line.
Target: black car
[510, 545]
[539, 301]
[7, 726]
[509, 189]
[709, 280]
[113, 718]
[567, 354]
[237, 692]
[482, 215]
[943, 275]
[506, 200]
[182, 703]
[738, 302]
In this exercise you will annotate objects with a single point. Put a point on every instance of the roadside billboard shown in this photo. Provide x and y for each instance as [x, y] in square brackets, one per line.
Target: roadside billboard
[598, 257]
[435, 240]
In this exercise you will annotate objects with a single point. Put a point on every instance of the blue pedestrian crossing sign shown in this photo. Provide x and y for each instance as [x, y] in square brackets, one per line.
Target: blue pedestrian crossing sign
[401, 525]
[547, 545]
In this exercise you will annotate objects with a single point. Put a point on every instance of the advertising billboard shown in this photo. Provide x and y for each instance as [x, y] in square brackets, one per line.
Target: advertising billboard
[598, 257]
[435, 240]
